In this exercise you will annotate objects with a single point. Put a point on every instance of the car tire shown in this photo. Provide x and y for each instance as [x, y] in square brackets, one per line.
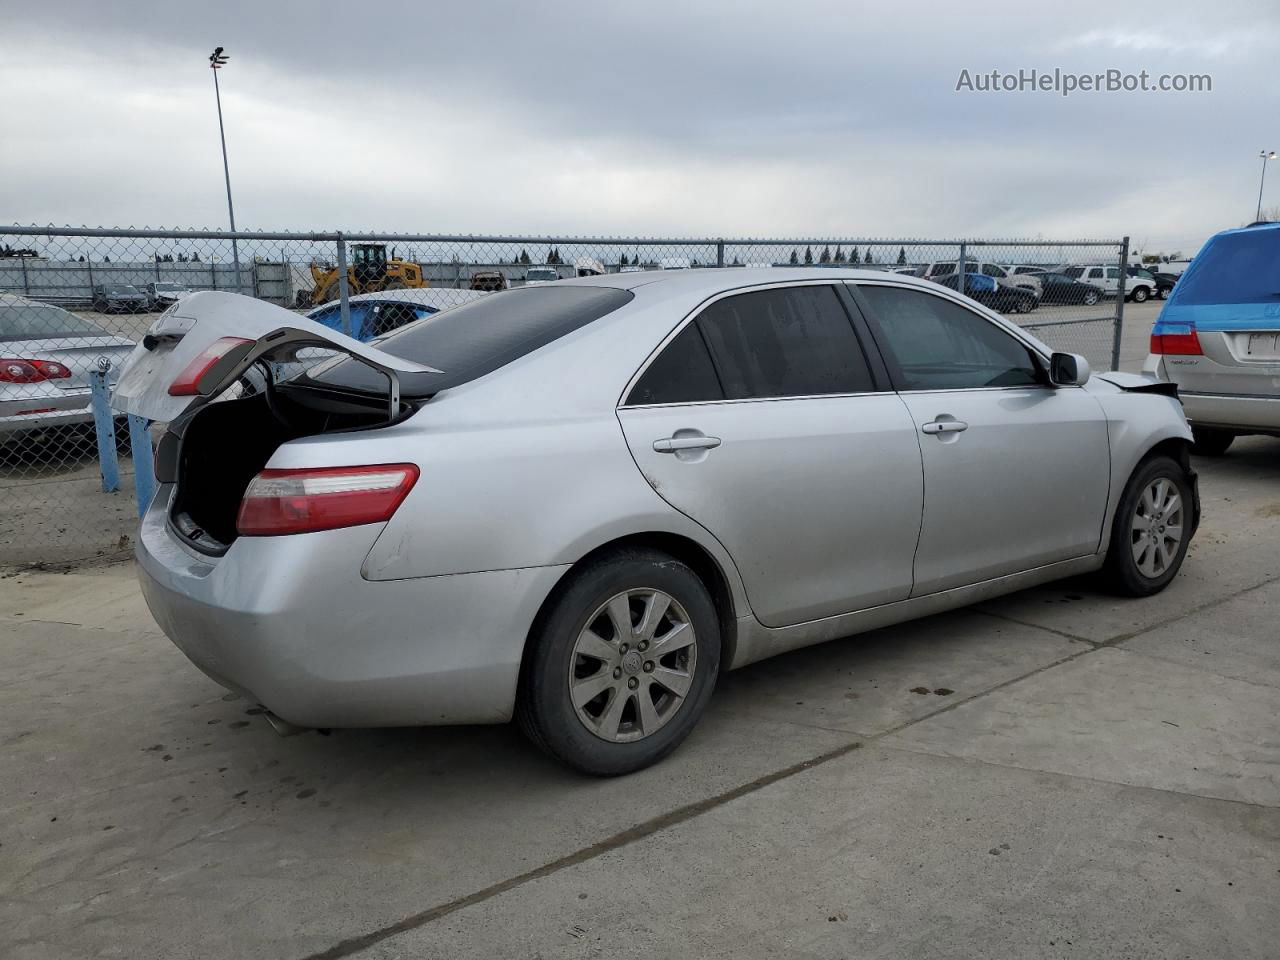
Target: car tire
[1139, 295]
[1209, 442]
[1162, 293]
[1143, 557]
[1091, 297]
[575, 640]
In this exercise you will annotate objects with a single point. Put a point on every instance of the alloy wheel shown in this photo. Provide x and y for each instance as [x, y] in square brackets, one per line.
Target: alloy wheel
[632, 665]
[1157, 528]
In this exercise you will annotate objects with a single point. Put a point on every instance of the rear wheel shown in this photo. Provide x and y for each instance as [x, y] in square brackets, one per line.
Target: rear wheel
[1209, 442]
[1152, 529]
[622, 665]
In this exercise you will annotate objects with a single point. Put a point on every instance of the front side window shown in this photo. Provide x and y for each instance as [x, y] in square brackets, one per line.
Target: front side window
[785, 342]
[940, 345]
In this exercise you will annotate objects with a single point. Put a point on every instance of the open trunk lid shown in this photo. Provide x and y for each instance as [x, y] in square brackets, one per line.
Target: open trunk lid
[223, 335]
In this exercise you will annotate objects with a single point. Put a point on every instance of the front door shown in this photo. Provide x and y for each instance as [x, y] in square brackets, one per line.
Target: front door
[1016, 470]
[760, 420]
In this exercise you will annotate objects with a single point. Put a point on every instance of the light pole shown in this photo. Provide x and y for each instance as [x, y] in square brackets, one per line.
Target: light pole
[1265, 155]
[218, 60]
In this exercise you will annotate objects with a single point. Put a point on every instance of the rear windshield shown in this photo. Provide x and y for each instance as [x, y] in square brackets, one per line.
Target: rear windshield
[478, 337]
[1234, 268]
[37, 321]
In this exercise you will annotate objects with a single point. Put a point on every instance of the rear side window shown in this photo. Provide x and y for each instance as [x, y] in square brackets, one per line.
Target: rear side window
[1234, 268]
[785, 342]
[682, 373]
[478, 337]
[940, 345]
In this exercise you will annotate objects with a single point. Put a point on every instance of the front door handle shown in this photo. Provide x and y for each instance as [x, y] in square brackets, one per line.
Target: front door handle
[678, 443]
[944, 426]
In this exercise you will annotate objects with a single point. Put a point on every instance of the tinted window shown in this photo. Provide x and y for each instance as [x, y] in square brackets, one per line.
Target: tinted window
[939, 345]
[1234, 268]
[33, 321]
[1073, 272]
[788, 342]
[682, 373]
[480, 336]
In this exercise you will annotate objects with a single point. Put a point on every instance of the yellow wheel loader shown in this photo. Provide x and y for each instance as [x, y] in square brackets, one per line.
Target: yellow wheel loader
[369, 272]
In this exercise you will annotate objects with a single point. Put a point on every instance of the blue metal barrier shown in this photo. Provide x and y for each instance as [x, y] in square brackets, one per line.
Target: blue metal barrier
[144, 473]
[104, 427]
[144, 476]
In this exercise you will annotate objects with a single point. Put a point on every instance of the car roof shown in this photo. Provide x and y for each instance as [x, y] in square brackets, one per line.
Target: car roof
[712, 280]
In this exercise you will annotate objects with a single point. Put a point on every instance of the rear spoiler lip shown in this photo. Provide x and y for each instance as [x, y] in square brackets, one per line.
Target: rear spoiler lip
[1137, 383]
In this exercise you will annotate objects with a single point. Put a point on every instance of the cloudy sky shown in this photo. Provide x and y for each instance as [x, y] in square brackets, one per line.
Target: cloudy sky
[723, 117]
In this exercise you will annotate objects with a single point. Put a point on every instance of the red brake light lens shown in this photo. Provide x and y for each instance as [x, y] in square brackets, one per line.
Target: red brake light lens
[301, 501]
[15, 370]
[1175, 339]
[187, 381]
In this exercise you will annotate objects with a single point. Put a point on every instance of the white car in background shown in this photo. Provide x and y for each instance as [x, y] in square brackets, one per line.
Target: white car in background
[1107, 279]
[46, 356]
[539, 275]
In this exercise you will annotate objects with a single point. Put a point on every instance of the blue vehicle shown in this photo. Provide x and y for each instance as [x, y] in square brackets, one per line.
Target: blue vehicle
[1218, 338]
[374, 314]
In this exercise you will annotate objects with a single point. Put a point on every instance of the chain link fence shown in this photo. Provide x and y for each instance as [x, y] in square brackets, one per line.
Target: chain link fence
[76, 300]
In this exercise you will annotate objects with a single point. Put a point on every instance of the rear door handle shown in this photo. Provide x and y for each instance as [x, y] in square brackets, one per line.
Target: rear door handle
[676, 444]
[944, 426]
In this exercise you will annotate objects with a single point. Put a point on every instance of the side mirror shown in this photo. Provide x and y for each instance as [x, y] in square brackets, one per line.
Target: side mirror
[1068, 370]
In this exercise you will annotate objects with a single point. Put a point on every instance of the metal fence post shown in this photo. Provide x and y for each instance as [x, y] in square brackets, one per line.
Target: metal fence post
[144, 475]
[962, 284]
[89, 263]
[720, 253]
[344, 304]
[26, 285]
[213, 275]
[104, 427]
[1120, 284]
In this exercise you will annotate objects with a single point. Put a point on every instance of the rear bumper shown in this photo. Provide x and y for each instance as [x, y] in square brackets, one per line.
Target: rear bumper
[290, 622]
[1241, 412]
[68, 407]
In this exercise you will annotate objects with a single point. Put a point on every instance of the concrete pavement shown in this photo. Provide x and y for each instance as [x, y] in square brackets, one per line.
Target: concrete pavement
[1084, 776]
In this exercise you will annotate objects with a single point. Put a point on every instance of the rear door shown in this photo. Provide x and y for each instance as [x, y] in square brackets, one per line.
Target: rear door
[221, 335]
[762, 419]
[1016, 472]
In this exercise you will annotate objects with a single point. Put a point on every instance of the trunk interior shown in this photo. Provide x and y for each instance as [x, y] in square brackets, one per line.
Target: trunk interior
[225, 444]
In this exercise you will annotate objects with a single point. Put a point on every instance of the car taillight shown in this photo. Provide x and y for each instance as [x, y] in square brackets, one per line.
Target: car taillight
[15, 370]
[187, 381]
[1175, 339]
[300, 501]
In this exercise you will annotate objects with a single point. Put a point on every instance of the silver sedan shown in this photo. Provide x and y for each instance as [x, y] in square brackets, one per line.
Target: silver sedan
[578, 503]
[46, 357]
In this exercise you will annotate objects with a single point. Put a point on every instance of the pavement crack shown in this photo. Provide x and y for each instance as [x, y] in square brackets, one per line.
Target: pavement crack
[623, 838]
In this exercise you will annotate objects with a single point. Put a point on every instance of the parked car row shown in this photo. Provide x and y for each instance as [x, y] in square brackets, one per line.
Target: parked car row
[126, 298]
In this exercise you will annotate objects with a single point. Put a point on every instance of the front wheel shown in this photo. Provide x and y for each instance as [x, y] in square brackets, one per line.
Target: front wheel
[1152, 529]
[1139, 295]
[622, 664]
[1090, 297]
